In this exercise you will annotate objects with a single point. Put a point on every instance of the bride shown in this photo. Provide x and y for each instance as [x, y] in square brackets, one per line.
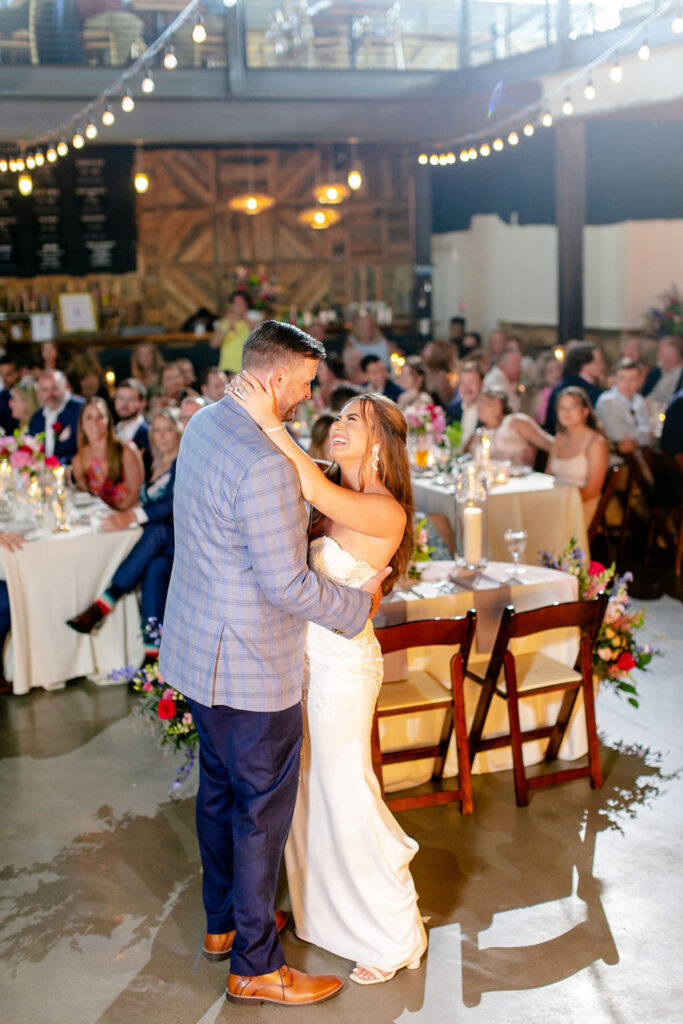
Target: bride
[347, 857]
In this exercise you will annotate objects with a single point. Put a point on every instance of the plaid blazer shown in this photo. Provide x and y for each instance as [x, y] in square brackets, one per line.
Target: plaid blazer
[241, 591]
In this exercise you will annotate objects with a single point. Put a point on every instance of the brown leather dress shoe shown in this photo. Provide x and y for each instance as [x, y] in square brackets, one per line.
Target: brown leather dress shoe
[218, 947]
[284, 986]
[87, 620]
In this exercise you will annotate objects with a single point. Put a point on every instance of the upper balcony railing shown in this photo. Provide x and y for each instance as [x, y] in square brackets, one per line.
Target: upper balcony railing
[412, 35]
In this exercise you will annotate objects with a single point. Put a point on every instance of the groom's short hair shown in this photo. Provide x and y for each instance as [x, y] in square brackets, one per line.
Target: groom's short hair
[274, 344]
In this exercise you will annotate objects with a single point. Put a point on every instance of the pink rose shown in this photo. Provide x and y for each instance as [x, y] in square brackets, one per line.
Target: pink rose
[20, 459]
[167, 694]
[147, 687]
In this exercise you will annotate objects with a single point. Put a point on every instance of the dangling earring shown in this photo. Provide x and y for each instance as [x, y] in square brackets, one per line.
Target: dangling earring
[374, 459]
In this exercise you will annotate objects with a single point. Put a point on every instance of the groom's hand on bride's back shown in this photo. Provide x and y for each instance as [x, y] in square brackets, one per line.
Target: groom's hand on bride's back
[374, 588]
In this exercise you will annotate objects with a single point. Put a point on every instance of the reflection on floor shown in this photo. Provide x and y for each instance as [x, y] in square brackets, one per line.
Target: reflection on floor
[568, 910]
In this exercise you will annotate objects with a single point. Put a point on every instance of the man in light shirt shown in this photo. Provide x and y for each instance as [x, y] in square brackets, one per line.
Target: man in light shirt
[504, 376]
[666, 378]
[623, 412]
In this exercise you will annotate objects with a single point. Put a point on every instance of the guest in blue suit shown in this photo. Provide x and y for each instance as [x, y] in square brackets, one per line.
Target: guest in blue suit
[148, 565]
[233, 643]
[131, 425]
[583, 368]
[378, 378]
[58, 417]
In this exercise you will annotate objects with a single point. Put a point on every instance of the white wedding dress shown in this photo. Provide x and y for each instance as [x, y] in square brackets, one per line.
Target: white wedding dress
[347, 857]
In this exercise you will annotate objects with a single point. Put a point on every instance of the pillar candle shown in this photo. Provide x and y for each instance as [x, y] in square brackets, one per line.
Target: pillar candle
[473, 529]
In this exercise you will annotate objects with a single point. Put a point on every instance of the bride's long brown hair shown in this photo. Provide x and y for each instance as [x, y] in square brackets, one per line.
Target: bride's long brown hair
[387, 428]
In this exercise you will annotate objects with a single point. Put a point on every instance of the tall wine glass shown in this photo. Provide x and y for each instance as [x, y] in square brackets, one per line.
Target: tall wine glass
[442, 456]
[515, 541]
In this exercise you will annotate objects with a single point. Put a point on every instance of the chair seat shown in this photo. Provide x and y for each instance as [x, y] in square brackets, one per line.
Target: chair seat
[419, 688]
[535, 671]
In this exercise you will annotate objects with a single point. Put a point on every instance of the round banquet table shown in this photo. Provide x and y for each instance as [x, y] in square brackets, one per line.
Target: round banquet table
[550, 513]
[52, 578]
[435, 597]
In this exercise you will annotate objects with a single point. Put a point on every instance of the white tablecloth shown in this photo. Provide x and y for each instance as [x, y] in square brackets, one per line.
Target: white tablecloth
[551, 514]
[426, 600]
[53, 578]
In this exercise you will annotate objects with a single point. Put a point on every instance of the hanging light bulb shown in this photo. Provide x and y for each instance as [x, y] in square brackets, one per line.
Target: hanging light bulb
[464, 156]
[589, 91]
[318, 219]
[62, 147]
[170, 59]
[450, 158]
[30, 162]
[433, 159]
[644, 51]
[141, 182]
[91, 130]
[127, 103]
[13, 165]
[3, 166]
[19, 164]
[108, 116]
[39, 157]
[484, 149]
[498, 145]
[568, 106]
[423, 159]
[78, 142]
[528, 130]
[615, 72]
[547, 119]
[443, 159]
[472, 153]
[25, 184]
[147, 85]
[513, 138]
[51, 154]
[199, 32]
[677, 23]
[229, 3]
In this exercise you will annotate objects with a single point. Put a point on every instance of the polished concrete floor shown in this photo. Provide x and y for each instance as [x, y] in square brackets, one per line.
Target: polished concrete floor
[567, 911]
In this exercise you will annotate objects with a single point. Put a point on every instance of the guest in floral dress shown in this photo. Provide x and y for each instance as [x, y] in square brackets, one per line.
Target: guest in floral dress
[103, 465]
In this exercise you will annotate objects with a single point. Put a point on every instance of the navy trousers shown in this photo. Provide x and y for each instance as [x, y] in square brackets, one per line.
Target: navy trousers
[248, 779]
[4, 616]
[148, 564]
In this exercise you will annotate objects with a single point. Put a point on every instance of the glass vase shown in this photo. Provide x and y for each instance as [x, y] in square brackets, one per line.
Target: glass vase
[471, 527]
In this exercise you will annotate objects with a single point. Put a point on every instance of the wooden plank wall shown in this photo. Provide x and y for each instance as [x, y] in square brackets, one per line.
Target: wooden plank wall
[190, 243]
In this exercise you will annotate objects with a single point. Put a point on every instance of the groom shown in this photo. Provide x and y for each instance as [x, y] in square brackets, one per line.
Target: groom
[233, 643]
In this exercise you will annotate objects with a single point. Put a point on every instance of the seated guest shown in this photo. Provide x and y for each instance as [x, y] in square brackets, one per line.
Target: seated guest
[514, 436]
[103, 465]
[86, 376]
[497, 342]
[342, 394]
[504, 376]
[171, 391]
[58, 417]
[148, 564]
[365, 339]
[456, 333]
[471, 342]
[666, 378]
[634, 347]
[413, 382]
[189, 406]
[146, 364]
[464, 408]
[440, 378]
[214, 384]
[320, 447]
[12, 542]
[668, 486]
[329, 374]
[377, 376]
[23, 403]
[129, 406]
[9, 373]
[583, 368]
[551, 374]
[579, 454]
[623, 412]
[186, 368]
[50, 356]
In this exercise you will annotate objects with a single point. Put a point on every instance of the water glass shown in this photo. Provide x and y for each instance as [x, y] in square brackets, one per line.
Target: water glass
[515, 541]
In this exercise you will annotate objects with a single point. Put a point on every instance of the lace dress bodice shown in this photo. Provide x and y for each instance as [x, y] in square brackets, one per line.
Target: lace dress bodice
[327, 558]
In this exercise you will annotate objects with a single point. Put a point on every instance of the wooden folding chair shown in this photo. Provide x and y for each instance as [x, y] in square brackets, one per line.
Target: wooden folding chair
[598, 524]
[665, 520]
[516, 677]
[421, 691]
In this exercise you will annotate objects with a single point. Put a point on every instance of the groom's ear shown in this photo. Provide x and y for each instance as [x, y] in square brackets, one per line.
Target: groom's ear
[277, 377]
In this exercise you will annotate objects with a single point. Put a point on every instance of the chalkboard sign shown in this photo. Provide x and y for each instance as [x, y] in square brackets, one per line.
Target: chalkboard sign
[80, 218]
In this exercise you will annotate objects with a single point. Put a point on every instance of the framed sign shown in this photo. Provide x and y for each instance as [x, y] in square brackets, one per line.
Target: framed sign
[77, 313]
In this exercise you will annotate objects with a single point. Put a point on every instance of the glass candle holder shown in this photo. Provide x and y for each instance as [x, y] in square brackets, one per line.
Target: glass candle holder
[471, 527]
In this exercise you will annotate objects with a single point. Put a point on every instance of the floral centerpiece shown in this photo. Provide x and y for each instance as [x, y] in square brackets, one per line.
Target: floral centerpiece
[668, 319]
[26, 455]
[162, 708]
[422, 419]
[422, 549]
[264, 294]
[618, 650]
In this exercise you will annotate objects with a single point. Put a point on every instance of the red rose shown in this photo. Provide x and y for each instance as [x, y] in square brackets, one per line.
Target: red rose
[57, 426]
[26, 448]
[166, 708]
[625, 661]
[595, 568]
[51, 461]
